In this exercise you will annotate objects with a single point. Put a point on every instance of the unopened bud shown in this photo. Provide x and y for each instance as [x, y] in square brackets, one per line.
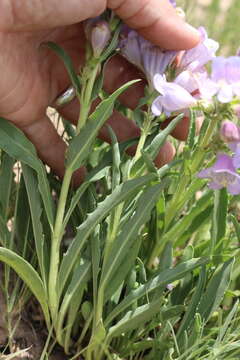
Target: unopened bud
[236, 110]
[100, 37]
[230, 132]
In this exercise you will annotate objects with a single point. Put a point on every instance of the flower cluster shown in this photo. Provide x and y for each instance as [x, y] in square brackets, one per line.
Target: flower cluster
[224, 172]
[181, 80]
[190, 82]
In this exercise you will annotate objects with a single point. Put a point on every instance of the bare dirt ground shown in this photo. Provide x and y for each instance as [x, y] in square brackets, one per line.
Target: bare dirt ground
[24, 334]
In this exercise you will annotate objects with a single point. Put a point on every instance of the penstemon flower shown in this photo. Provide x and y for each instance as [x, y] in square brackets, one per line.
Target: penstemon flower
[230, 132]
[149, 58]
[195, 58]
[226, 75]
[173, 97]
[222, 174]
[198, 84]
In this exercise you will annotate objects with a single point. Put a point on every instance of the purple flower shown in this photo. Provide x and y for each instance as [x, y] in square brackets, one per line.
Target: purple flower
[173, 97]
[198, 84]
[236, 156]
[222, 174]
[230, 132]
[173, 2]
[226, 74]
[195, 58]
[147, 57]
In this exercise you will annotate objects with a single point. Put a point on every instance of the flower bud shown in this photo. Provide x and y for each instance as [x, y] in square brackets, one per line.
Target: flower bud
[230, 132]
[236, 110]
[100, 36]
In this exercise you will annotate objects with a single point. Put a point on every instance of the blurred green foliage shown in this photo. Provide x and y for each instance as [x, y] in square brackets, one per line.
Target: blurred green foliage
[219, 17]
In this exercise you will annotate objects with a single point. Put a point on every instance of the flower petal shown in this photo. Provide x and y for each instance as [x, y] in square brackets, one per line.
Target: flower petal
[157, 106]
[234, 188]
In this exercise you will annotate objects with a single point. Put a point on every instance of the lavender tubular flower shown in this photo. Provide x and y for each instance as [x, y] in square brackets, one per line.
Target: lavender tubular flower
[173, 97]
[222, 174]
[230, 132]
[194, 59]
[226, 75]
[147, 57]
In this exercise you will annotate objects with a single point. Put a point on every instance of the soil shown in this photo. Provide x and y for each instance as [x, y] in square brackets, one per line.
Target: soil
[28, 334]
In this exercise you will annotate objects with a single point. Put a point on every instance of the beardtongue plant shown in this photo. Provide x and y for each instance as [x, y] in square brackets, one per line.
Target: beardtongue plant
[151, 250]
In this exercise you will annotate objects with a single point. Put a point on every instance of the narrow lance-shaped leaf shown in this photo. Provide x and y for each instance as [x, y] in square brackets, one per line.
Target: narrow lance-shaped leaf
[215, 290]
[6, 175]
[79, 147]
[163, 278]
[121, 193]
[29, 275]
[79, 279]
[219, 218]
[15, 143]
[192, 129]
[135, 319]
[36, 211]
[130, 230]
[67, 62]
[192, 307]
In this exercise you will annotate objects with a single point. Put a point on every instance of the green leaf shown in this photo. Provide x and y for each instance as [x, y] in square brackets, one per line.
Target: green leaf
[29, 275]
[219, 218]
[135, 319]
[192, 130]
[182, 225]
[120, 193]
[193, 306]
[159, 140]
[164, 278]
[15, 143]
[76, 286]
[227, 323]
[113, 44]
[80, 146]
[36, 211]
[236, 225]
[216, 288]
[122, 244]
[152, 150]
[6, 176]
[116, 159]
[74, 201]
[67, 62]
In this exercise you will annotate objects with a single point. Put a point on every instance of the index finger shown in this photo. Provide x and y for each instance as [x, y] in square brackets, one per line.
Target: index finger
[157, 21]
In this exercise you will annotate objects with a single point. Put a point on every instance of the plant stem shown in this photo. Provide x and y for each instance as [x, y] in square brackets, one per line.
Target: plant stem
[55, 247]
[85, 98]
[144, 133]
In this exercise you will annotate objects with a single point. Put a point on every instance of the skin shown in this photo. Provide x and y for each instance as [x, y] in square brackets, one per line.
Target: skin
[32, 76]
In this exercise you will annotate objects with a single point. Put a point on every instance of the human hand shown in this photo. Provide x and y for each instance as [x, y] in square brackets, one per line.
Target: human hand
[32, 77]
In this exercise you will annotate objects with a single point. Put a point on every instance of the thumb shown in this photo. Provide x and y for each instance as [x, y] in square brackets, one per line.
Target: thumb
[157, 21]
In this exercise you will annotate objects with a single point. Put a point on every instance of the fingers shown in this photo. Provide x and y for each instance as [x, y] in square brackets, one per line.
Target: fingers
[50, 146]
[28, 15]
[157, 21]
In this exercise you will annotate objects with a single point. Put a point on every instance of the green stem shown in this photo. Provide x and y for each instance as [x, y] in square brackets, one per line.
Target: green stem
[85, 98]
[55, 247]
[144, 133]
